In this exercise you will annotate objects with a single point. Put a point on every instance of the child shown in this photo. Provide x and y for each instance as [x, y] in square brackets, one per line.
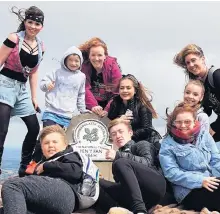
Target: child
[65, 90]
[193, 96]
[65, 93]
[57, 185]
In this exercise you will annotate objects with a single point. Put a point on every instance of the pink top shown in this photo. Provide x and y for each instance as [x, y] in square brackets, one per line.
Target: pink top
[111, 76]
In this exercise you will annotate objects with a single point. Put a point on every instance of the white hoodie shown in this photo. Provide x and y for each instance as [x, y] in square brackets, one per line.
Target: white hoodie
[67, 98]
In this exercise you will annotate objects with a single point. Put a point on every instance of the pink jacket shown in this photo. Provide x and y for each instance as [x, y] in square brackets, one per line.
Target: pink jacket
[13, 61]
[111, 76]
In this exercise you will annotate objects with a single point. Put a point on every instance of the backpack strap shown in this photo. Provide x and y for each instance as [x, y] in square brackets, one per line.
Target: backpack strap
[210, 76]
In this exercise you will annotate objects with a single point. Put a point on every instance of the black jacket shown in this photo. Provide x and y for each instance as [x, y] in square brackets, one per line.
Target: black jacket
[211, 99]
[142, 118]
[69, 167]
[142, 152]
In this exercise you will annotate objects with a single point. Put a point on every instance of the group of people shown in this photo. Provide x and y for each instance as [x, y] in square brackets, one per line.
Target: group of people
[89, 80]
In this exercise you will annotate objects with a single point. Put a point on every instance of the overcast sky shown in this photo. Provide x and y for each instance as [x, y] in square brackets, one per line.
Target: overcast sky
[144, 36]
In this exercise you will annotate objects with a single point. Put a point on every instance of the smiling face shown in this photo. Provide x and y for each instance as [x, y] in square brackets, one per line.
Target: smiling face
[97, 57]
[73, 62]
[120, 134]
[196, 64]
[185, 121]
[126, 89]
[193, 94]
[32, 28]
[52, 144]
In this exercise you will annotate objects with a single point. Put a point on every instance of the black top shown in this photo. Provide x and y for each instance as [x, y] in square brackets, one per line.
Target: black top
[97, 83]
[142, 118]
[27, 59]
[69, 168]
[212, 95]
[142, 152]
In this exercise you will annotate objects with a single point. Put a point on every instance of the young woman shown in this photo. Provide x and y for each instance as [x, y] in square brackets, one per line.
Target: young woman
[102, 75]
[133, 104]
[20, 55]
[139, 182]
[193, 96]
[191, 58]
[190, 160]
[57, 185]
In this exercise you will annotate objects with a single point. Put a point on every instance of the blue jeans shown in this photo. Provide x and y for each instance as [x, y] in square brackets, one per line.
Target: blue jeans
[16, 95]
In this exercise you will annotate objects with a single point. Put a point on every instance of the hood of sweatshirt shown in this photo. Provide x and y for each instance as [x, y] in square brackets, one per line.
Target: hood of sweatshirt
[70, 51]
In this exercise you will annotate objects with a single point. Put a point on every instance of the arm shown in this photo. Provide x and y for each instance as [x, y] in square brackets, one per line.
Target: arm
[49, 78]
[70, 169]
[216, 79]
[172, 171]
[5, 50]
[33, 78]
[90, 99]
[144, 153]
[115, 76]
[145, 126]
[81, 96]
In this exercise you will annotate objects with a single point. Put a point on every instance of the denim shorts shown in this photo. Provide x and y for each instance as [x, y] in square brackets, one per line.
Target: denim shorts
[16, 95]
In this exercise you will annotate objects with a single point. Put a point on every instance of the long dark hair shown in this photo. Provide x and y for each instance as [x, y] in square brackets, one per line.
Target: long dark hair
[22, 13]
[141, 93]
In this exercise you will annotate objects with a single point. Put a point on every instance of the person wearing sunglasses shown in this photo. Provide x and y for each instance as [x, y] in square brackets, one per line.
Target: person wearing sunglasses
[190, 160]
[192, 59]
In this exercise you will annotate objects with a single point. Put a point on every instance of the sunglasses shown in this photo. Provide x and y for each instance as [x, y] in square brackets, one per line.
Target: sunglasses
[181, 122]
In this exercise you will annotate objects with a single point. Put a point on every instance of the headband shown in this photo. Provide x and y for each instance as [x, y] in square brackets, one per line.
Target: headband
[35, 18]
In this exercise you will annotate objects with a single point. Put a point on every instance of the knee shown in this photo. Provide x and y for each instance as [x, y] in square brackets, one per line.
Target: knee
[9, 184]
[120, 164]
[33, 130]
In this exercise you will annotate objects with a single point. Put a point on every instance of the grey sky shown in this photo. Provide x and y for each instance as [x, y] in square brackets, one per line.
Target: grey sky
[144, 36]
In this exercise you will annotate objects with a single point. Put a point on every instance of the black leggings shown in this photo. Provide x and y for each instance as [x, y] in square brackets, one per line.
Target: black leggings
[31, 123]
[199, 198]
[139, 186]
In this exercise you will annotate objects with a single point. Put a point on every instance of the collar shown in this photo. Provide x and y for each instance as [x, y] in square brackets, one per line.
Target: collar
[127, 146]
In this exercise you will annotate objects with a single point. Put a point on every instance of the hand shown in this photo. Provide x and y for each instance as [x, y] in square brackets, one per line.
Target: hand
[210, 183]
[110, 154]
[50, 86]
[104, 113]
[39, 169]
[97, 110]
[126, 118]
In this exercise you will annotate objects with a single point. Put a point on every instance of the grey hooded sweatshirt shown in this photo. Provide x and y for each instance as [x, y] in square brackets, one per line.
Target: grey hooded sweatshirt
[67, 98]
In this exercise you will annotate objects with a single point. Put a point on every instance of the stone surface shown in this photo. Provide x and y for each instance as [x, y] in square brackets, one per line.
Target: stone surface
[89, 135]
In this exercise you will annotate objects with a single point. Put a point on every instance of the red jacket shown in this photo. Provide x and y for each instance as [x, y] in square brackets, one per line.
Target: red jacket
[111, 76]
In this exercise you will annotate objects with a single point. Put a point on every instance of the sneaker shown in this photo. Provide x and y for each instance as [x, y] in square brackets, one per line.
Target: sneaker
[119, 210]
